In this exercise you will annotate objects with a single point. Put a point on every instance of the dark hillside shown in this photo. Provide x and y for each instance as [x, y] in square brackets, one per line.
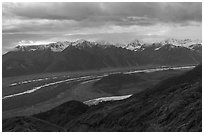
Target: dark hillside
[174, 105]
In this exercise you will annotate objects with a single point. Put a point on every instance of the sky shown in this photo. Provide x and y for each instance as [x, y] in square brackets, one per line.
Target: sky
[42, 23]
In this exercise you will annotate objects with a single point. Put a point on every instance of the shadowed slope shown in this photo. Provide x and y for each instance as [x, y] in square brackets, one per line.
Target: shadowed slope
[63, 113]
[29, 124]
[173, 105]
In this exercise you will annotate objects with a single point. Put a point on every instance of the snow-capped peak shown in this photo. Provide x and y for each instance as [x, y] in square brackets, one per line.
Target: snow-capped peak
[55, 47]
[183, 43]
[59, 46]
[135, 45]
[30, 48]
[79, 41]
[197, 47]
[83, 43]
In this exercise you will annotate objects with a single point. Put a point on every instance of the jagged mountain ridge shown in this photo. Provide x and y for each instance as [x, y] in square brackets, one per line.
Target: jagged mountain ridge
[83, 56]
[87, 55]
[134, 45]
[60, 46]
[138, 45]
[184, 42]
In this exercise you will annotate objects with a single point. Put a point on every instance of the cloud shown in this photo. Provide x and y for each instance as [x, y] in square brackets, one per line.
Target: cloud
[109, 11]
[50, 17]
[98, 20]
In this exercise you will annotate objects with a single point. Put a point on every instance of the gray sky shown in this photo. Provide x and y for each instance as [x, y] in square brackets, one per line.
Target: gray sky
[36, 23]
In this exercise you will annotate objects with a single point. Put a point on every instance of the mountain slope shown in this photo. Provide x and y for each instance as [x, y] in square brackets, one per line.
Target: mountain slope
[20, 63]
[52, 120]
[29, 124]
[86, 55]
[173, 105]
[64, 113]
[81, 56]
[169, 55]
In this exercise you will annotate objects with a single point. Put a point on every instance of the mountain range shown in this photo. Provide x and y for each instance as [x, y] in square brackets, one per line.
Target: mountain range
[90, 55]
